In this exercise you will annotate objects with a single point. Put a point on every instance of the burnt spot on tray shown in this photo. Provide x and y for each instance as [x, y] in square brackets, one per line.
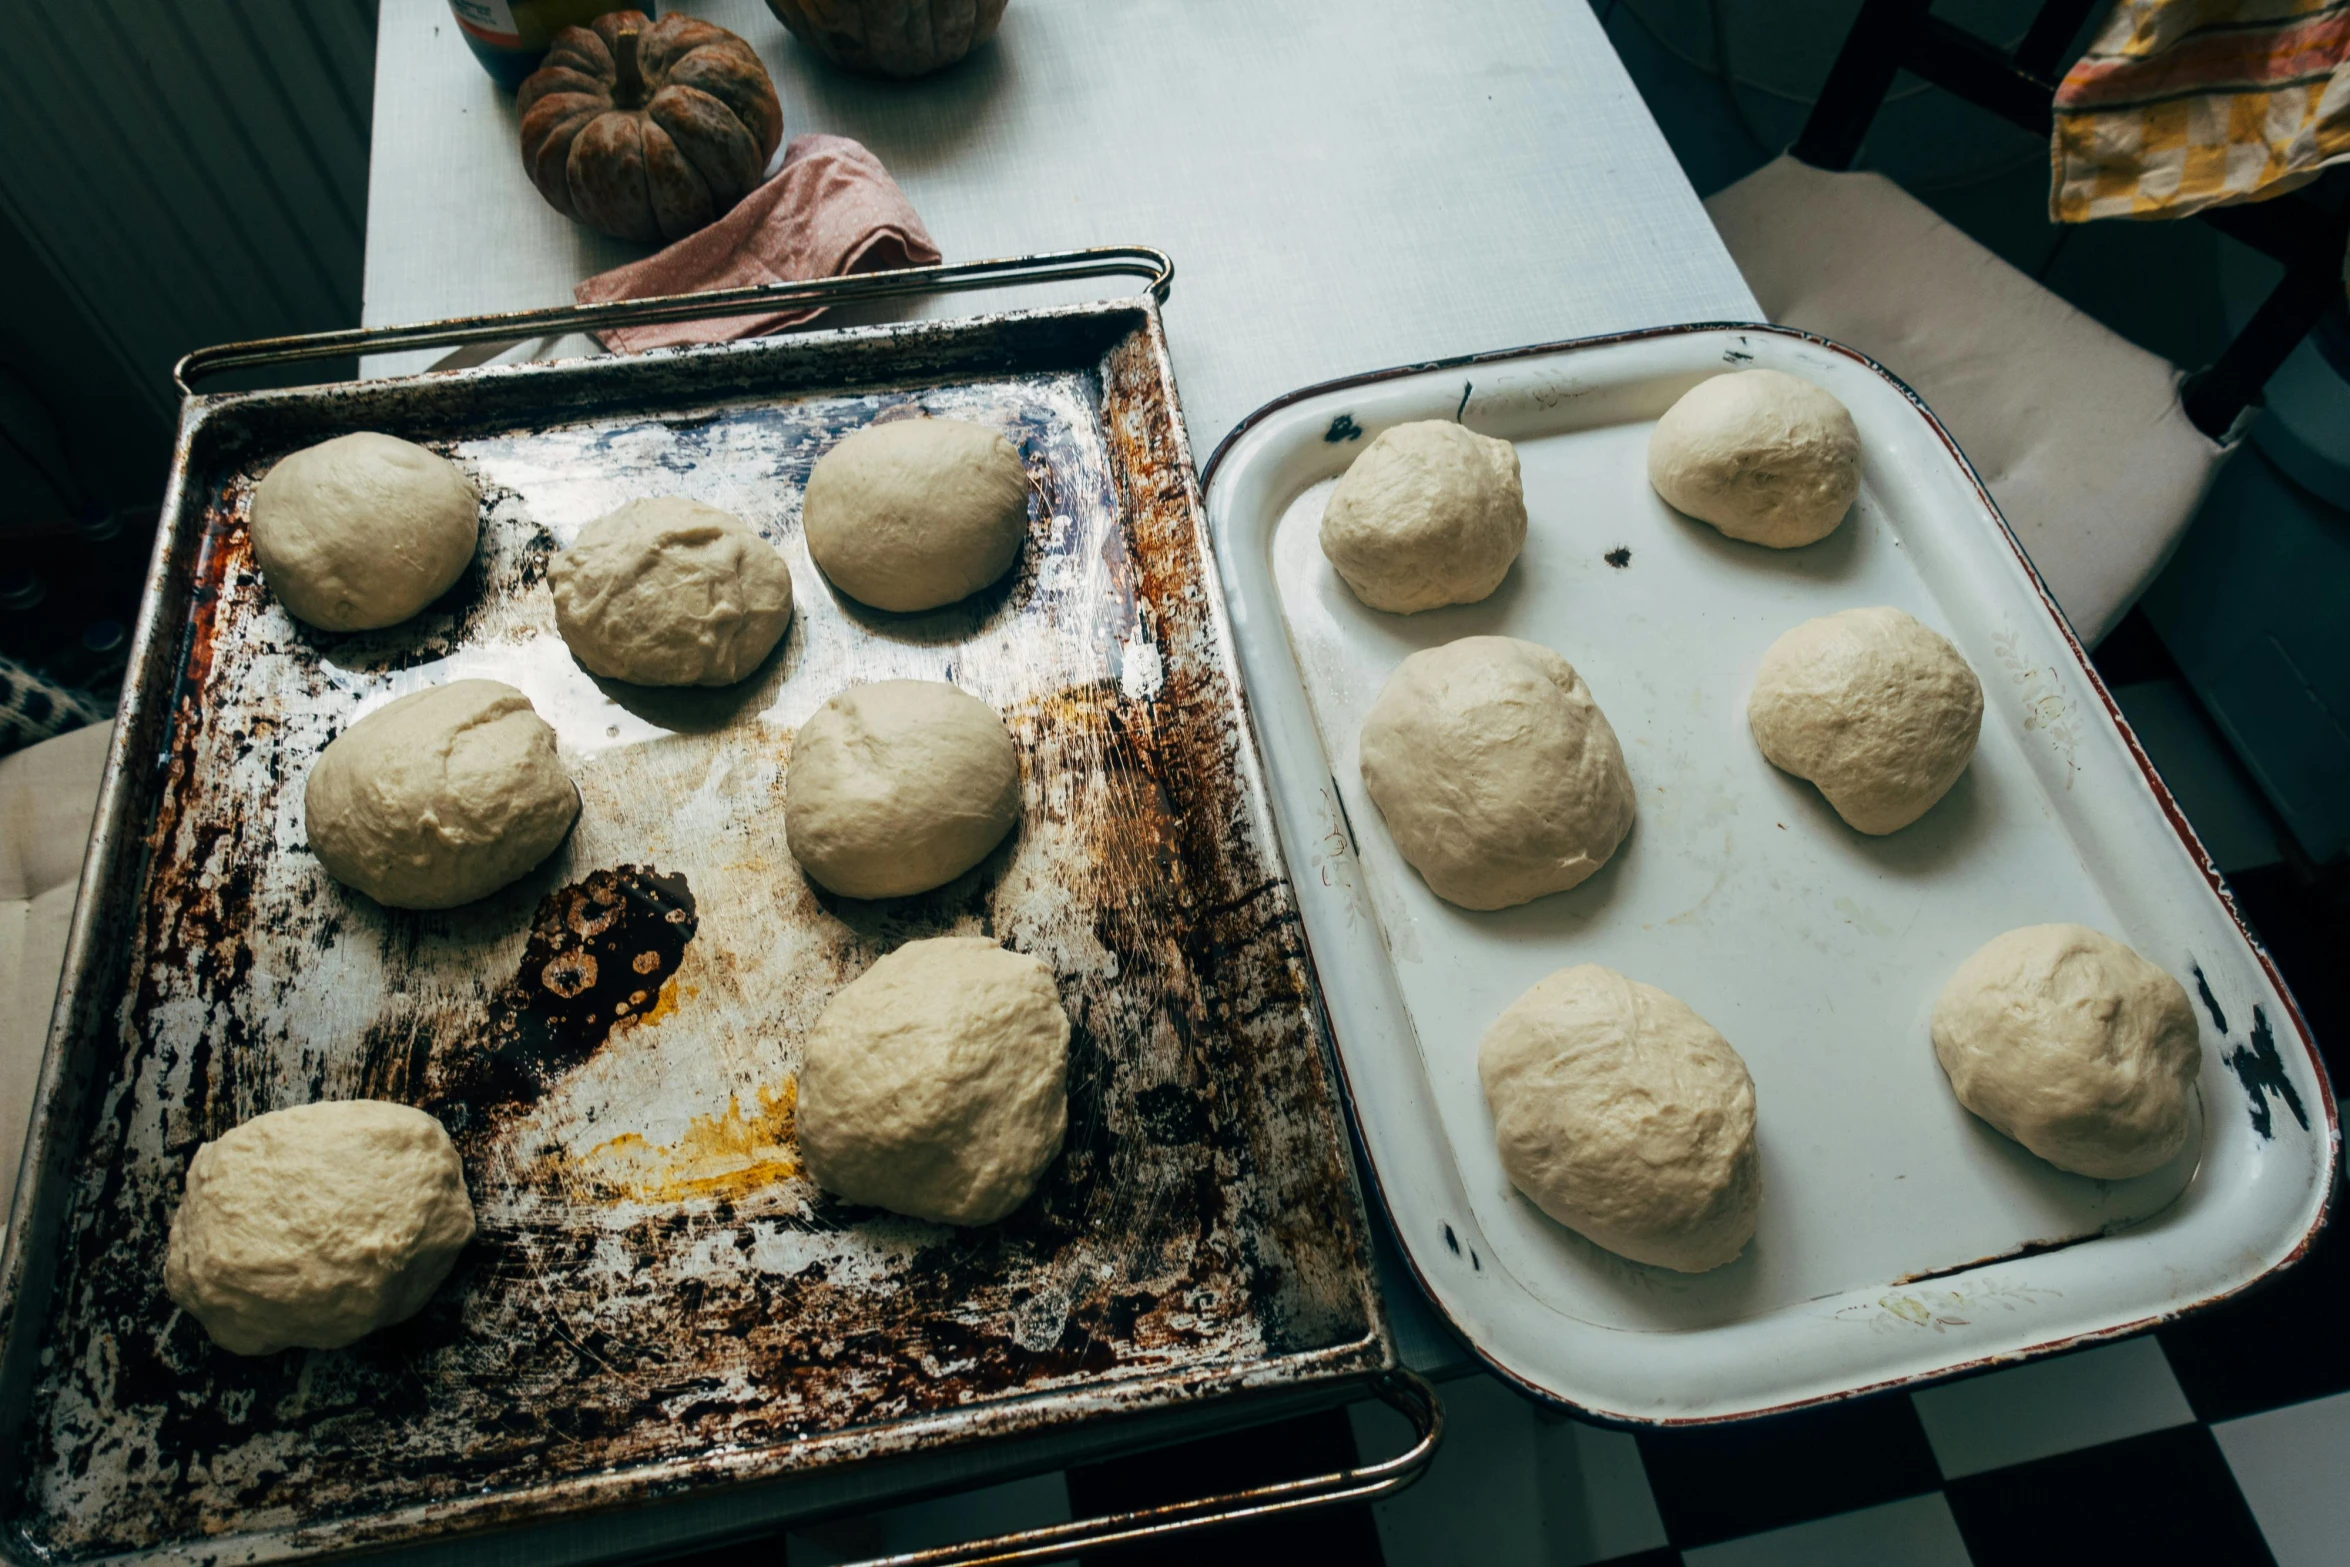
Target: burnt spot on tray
[1619, 557]
[600, 950]
[1737, 356]
[1466, 388]
[539, 549]
[1343, 428]
[1171, 1113]
[2219, 1019]
[2262, 1072]
[1452, 1241]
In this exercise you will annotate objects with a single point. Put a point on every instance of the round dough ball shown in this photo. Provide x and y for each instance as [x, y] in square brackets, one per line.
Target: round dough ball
[670, 592]
[898, 787]
[1763, 456]
[1625, 1117]
[312, 1227]
[917, 513]
[1429, 514]
[2073, 1045]
[1496, 771]
[934, 1084]
[1879, 712]
[363, 531]
[441, 797]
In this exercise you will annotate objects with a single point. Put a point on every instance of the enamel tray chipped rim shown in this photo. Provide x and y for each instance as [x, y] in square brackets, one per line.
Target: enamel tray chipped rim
[1901, 1239]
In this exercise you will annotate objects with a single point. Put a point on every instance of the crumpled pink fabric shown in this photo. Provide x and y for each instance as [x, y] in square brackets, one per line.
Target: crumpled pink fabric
[831, 209]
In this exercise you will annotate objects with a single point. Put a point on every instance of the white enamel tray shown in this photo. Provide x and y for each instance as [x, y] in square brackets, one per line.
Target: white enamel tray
[1901, 1239]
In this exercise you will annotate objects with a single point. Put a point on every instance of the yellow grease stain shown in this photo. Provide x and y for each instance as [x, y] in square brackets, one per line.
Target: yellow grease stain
[719, 1156]
[664, 1003]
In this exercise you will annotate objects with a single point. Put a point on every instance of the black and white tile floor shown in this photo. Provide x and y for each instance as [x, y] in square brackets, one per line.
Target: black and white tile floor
[2156, 1449]
[2214, 1442]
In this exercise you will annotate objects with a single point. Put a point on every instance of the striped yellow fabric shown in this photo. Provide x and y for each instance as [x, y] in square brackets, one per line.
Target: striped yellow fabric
[2181, 105]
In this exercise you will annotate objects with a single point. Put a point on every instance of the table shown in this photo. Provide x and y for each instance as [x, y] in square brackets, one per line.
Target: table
[1341, 189]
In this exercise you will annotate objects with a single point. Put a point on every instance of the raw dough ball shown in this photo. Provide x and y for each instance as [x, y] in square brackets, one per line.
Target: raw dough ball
[898, 787]
[1872, 707]
[1496, 771]
[363, 531]
[1625, 1117]
[917, 513]
[933, 1085]
[1429, 514]
[314, 1226]
[2074, 1046]
[670, 592]
[1763, 456]
[441, 797]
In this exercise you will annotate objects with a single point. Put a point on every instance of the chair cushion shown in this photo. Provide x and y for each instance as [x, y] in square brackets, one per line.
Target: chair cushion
[48, 795]
[2077, 433]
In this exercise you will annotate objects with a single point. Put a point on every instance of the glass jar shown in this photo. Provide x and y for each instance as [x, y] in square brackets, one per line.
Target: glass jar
[510, 37]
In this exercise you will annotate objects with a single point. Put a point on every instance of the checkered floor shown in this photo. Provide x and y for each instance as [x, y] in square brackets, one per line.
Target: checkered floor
[2224, 1440]
[2220, 1441]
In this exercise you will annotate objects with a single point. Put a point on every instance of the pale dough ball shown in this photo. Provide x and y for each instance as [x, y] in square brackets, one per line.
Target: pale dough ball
[441, 797]
[898, 787]
[1625, 1117]
[1877, 711]
[312, 1227]
[1429, 514]
[670, 592]
[2073, 1045]
[917, 513]
[363, 531]
[1496, 771]
[1763, 456]
[934, 1084]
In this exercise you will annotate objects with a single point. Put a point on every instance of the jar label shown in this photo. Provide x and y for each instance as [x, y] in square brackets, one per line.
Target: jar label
[491, 21]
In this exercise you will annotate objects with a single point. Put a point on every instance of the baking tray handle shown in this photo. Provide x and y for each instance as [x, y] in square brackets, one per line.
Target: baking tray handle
[757, 299]
[1401, 1389]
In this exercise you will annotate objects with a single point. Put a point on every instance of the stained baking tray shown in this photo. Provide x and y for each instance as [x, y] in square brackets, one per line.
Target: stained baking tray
[658, 1306]
[1900, 1239]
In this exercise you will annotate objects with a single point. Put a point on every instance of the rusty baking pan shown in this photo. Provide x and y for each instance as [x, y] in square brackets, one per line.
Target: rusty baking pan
[661, 1316]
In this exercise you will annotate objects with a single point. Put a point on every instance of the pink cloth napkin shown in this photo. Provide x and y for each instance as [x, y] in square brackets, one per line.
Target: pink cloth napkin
[831, 209]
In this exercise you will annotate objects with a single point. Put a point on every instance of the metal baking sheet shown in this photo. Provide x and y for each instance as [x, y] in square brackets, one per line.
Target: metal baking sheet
[658, 1304]
[1901, 1239]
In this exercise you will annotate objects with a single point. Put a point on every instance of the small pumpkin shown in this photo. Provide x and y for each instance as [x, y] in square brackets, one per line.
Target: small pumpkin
[648, 130]
[891, 37]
